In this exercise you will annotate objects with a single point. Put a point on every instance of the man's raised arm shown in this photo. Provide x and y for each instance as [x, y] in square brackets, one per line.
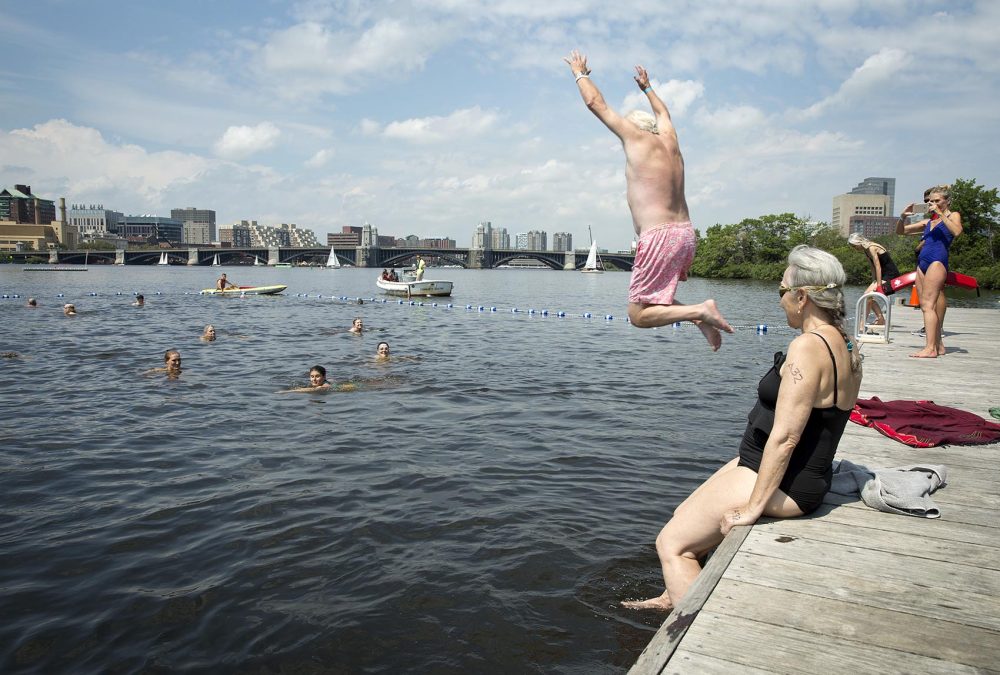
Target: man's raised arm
[664, 125]
[592, 95]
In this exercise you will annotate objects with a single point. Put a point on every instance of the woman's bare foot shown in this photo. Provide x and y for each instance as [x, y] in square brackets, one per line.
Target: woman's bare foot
[941, 351]
[925, 354]
[660, 603]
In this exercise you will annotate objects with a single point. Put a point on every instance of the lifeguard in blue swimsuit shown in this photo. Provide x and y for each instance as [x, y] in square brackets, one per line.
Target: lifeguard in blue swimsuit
[938, 229]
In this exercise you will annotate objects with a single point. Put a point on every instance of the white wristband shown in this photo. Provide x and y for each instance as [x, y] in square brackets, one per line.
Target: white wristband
[582, 75]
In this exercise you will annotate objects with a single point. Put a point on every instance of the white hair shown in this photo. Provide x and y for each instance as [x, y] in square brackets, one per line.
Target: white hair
[822, 271]
[643, 120]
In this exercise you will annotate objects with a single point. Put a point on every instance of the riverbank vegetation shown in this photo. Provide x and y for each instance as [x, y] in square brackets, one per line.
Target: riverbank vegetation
[757, 248]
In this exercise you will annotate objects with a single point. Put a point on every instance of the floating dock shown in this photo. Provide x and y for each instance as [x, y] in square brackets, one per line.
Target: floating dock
[849, 589]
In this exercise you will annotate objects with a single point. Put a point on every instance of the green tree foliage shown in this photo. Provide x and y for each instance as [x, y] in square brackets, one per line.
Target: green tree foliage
[97, 245]
[977, 250]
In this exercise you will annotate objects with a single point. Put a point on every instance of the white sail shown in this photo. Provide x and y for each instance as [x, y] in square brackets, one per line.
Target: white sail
[215, 261]
[257, 262]
[591, 265]
[164, 259]
[333, 261]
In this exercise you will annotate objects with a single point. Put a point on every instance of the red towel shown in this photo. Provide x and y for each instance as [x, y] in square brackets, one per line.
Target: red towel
[924, 424]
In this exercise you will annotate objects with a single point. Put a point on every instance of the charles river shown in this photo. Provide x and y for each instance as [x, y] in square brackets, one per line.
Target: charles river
[480, 503]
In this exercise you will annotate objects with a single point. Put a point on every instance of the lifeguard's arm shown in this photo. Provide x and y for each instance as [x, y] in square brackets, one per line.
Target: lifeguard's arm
[902, 227]
[800, 380]
[953, 221]
[664, 125]
[595, 100]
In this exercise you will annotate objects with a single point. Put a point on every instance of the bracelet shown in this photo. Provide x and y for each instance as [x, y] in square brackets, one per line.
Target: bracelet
[579, 75]
[647, 90]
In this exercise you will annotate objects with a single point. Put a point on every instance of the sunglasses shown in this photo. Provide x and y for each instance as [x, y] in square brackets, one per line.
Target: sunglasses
[782, 289]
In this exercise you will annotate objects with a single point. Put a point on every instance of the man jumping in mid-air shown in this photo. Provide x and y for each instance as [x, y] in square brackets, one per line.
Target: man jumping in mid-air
[654, 176]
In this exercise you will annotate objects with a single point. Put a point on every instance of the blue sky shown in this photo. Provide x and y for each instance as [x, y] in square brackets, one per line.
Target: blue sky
[427, 117]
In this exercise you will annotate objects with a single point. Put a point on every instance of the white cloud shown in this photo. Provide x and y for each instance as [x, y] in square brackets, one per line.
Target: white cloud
[320, 159]
[239, 142]
[78, 163]
[462, 123]
[370, 127]
[874, 72]
[731, 119]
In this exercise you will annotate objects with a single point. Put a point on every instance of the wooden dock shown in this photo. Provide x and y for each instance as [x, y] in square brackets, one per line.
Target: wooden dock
[850, 589]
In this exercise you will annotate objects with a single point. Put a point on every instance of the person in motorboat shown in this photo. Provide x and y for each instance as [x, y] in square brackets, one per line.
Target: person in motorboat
[222, 283]
[385, 275]
[785, 462]
[209, 334]
[357, 326]
[393, 276]
[654, 180]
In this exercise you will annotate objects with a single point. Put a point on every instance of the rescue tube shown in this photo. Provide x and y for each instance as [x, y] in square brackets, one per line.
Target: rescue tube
[953, 279]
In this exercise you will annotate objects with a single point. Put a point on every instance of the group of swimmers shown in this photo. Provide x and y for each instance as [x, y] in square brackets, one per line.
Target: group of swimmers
[317, 374]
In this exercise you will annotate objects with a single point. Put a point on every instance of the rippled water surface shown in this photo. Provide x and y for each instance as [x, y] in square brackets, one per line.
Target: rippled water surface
[481, 505]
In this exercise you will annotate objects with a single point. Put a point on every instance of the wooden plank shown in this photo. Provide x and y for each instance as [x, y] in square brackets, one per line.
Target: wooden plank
[944, 574]
[703, 664]
[916, 546]
[905, 597]
[955, 513]
[788, 650]
[837, 620]
[656, 654]
[931, 527]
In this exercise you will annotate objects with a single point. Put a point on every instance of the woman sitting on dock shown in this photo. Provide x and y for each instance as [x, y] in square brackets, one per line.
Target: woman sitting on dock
[785, 460]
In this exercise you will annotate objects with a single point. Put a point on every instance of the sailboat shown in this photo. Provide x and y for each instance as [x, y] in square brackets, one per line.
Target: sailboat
[215, 261]
[257, 262]
[164, 259]
[591, 265]
[333, 262]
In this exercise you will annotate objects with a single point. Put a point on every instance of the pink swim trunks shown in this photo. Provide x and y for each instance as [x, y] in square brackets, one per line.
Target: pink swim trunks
[662, 258]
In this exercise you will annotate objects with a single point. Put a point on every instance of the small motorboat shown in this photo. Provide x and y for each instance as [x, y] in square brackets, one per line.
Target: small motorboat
[246, 290]
[409, 287]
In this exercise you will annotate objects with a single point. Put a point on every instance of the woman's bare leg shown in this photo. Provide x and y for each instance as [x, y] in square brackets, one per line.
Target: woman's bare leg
[694, 529]
[930, 284]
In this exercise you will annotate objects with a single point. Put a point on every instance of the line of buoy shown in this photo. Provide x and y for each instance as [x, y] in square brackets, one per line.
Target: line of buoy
[760, 328]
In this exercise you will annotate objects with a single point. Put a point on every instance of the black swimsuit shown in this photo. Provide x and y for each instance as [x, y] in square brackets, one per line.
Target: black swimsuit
[809, 471]
[889, 270]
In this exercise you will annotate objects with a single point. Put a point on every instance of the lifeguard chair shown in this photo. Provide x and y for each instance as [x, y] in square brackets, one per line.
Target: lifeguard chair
[866, 332]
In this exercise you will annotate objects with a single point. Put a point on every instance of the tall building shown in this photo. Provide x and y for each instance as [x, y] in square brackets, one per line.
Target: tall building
[299, 237]
[562, 241]
[199, 224]
[878, 186]
[94, 220]
[483, 238]
[18, 205]
[500, 239]
[348, 237]
[537, 240]
[847, 205]
[521, 241]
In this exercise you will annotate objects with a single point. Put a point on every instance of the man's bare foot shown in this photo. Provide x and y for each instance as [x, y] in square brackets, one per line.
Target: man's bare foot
[925, 354]
[660, 603]
[711, 315]
[711, 334]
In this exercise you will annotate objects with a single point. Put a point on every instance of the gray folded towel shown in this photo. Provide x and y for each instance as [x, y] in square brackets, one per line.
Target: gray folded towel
[905, 489]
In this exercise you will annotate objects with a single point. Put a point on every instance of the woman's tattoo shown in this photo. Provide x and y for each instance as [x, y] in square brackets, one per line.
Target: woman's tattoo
[794, 372]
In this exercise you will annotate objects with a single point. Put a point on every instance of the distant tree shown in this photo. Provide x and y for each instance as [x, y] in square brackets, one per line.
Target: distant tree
[97, 245]
[978, 247]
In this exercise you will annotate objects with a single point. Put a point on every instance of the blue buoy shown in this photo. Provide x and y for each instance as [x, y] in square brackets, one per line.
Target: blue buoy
[5, 296]
[609, 318]
[493, 309]
[448, 305]
[481, 308]
[586, 315]
[561, 314]
[762, 328]
[157, 293]
[513, 310]
[434, 304]
[531, 311]
[400, 302]
[468, 306]
[59, 295]
[545, 312]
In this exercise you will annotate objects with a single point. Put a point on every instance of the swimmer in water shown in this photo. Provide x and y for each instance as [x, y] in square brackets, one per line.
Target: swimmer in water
[382, 351]
[140, 301]
[357, 326]
[171, 364]
[318, 382]
[69, 309]
[32, 302]
[209, 334]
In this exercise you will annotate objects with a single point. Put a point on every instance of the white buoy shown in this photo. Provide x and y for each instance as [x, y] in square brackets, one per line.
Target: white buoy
[762, 328]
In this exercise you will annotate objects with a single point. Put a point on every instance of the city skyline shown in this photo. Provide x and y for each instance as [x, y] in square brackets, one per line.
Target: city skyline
[431, 118]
